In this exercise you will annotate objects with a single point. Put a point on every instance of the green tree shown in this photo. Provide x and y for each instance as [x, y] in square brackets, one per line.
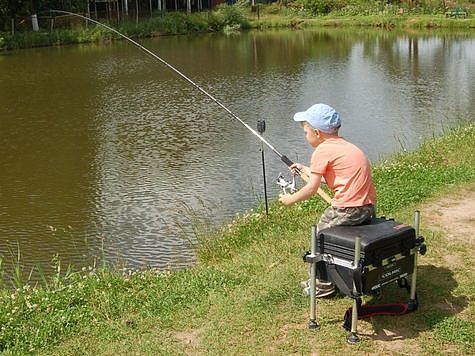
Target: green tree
[13, 9]
[16, 8]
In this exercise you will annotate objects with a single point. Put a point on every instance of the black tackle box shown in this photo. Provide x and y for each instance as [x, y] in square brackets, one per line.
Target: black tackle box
[387, 249]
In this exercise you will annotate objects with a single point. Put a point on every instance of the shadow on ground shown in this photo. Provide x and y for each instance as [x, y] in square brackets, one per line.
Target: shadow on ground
[435, 286]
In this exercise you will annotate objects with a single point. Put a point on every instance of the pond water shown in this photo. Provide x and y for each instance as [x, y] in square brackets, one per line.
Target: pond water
[108, 156]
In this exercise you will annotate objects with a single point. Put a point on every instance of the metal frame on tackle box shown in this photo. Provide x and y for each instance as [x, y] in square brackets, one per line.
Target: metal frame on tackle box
[314, 256]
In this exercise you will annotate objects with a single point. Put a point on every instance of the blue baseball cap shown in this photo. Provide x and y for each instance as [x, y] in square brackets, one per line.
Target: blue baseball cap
[321, 117]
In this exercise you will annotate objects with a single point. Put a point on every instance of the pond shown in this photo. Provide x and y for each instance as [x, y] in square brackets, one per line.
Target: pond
[107, 156]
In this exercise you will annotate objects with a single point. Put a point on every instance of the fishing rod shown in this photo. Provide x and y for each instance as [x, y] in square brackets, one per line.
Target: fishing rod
[282, 157]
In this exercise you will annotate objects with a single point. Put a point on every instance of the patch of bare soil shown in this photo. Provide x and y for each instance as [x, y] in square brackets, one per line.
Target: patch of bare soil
[454, 214]
[191, 340]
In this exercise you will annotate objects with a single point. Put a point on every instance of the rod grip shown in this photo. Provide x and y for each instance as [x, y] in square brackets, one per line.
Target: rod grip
[286, 160]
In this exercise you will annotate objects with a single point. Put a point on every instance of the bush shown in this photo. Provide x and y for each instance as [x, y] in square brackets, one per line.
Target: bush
[358, 7]
[271, 9]
[227, 15]
[318, 7]
[368, 7]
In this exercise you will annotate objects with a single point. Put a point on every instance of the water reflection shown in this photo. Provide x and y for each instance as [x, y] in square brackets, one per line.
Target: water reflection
[106, 154]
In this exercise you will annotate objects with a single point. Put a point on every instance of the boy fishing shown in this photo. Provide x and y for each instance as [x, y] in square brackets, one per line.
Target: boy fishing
[344, 168]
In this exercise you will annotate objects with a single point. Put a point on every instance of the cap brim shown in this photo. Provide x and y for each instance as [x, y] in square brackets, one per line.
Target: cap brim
[300, 116]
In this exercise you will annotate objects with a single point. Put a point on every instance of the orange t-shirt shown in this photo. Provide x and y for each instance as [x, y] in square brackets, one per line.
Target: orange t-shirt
[347, 172]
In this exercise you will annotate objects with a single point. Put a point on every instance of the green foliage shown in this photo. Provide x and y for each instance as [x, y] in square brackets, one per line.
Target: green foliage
[243, 4]
[15, 8]
[3, 8]
[232, 18]
[178, 23]
[271, 9]
[370, 7]
[319, 7]
[226, 15]
[92, 34]
[167, 23]
[365, 8]
[25, 7]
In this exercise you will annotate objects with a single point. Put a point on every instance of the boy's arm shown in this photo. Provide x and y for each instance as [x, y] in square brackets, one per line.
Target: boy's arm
[306, 192]
[305, 171]
[305, 174]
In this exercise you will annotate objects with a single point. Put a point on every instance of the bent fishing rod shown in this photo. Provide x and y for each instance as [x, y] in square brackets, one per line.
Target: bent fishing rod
[283, 158]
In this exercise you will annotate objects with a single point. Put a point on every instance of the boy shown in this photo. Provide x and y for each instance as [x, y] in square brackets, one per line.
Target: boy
[346, 171]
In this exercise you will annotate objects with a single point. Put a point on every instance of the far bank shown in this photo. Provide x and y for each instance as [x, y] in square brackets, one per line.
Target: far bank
[229, 19]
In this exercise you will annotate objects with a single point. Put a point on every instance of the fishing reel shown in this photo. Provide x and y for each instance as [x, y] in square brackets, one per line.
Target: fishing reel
[285, 184]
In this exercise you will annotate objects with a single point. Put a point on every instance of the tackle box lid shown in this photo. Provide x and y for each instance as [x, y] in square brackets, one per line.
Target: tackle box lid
[377, 234]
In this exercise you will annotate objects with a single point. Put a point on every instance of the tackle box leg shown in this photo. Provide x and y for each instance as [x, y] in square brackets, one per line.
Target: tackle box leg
[353, 337]
[412, 303]
[312, 323]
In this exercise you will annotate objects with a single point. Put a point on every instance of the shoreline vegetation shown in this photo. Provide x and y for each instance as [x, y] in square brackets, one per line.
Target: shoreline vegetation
[241, 16]
[243, 296]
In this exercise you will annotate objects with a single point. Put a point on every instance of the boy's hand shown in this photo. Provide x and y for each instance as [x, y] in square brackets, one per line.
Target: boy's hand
[286, 199]
[296, 166]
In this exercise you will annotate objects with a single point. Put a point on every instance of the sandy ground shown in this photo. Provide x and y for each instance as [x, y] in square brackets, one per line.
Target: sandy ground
[454, 214]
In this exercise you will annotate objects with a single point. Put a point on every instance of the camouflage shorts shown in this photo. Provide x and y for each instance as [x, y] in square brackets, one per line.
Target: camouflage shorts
[345, 216]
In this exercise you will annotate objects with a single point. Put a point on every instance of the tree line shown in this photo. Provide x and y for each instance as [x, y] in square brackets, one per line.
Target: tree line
[24, 10]
[20, 8]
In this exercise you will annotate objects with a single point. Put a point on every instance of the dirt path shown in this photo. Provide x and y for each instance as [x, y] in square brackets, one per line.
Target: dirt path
[454, 214]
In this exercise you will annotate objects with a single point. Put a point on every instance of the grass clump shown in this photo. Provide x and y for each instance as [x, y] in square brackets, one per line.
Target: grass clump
[227, 16]
[33, 318]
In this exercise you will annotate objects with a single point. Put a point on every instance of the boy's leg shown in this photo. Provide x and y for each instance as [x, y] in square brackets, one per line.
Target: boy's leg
[345, 216]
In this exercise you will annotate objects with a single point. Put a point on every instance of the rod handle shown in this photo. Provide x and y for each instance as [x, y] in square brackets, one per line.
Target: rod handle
[286, 160]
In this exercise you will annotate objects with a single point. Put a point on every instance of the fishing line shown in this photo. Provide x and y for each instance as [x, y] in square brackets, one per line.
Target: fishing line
[284, 158]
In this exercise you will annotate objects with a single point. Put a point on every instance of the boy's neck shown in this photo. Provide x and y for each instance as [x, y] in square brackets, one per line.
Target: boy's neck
[327, 136]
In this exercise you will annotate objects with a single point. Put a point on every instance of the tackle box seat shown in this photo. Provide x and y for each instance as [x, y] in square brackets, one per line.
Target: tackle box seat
[387, 249]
